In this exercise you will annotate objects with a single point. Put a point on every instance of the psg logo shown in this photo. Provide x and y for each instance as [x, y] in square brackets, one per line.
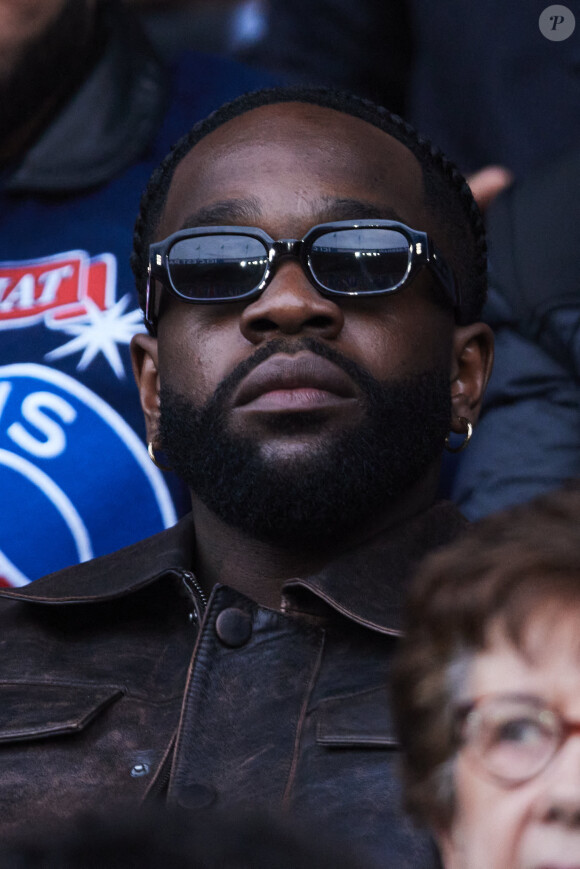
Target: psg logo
[61, 446]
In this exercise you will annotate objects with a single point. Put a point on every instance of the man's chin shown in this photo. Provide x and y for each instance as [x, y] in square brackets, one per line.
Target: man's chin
[303, 451]
[308, 481]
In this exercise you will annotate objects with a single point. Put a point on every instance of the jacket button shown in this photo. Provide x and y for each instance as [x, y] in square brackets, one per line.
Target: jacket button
[196, 796]
[233, 627]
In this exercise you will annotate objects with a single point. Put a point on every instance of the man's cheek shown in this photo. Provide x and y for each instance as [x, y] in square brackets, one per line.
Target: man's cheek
[192, 364]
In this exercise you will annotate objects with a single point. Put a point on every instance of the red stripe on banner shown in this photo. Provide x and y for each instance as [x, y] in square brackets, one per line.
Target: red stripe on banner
[32, 288]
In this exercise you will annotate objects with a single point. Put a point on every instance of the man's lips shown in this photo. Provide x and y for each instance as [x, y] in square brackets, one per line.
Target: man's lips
[300, 382]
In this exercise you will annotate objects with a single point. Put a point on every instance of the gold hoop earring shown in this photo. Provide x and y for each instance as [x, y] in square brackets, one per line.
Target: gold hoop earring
[468, 434]
[153, 457]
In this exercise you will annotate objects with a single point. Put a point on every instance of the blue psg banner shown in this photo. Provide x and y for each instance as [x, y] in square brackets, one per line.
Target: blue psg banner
[75, 477]
[50, 423]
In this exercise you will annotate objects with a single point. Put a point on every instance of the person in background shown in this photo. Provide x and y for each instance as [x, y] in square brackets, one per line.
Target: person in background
[87, 111]
[157, 838]
[311, 274]
[528, 438]
[443, 67]
[175, 26]
[486, 690]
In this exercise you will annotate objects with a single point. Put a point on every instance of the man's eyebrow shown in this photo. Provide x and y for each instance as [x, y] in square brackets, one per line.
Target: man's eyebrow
[247, 212]
[234, 211]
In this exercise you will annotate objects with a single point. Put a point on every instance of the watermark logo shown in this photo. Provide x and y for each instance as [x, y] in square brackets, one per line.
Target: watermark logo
[557, 23]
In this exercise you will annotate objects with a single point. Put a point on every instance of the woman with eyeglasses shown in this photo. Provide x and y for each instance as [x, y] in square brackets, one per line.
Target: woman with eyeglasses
[487, 691]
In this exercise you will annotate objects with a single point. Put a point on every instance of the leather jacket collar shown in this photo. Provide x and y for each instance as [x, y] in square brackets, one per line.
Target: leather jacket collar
[366, 585]
[107, 123]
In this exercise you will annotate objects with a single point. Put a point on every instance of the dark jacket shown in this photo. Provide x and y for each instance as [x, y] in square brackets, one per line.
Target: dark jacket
[119, 683]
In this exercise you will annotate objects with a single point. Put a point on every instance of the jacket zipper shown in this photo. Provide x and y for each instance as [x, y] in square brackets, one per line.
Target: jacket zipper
[196, 592]
[160, 784]
[199, 598]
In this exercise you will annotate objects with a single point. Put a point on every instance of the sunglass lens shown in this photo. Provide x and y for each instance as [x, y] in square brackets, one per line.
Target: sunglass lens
[360, 260]
[207, 267]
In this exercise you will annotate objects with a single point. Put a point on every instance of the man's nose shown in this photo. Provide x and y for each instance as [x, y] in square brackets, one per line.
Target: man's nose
[559, 802]
[290, 305]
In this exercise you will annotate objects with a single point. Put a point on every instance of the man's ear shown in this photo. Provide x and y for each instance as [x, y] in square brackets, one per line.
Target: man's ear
[145, 368]
[470, 371]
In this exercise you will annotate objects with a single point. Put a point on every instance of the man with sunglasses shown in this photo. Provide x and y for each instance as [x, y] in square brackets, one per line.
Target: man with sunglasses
[311, 273]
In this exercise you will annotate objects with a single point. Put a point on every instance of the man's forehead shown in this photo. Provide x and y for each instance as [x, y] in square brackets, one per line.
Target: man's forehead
[296, 154]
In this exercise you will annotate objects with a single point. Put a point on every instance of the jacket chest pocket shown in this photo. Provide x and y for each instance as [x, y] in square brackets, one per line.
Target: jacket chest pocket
[34, 710]
[59, 752]
[359, 720]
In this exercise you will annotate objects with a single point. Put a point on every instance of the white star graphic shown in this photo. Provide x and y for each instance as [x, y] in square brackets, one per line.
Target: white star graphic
[99, 332]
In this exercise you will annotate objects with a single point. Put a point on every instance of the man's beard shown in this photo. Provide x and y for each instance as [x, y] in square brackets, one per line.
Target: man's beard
[49, 67]
[334, 490]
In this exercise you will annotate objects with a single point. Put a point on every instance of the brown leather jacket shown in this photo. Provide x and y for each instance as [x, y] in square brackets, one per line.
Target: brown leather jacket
[119, 683]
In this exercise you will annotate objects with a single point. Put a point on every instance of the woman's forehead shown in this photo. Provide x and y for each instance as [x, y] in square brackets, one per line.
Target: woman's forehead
[542, 657]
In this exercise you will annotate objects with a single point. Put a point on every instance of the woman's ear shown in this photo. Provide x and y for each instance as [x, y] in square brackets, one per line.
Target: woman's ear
[145, 368]
[470, 371]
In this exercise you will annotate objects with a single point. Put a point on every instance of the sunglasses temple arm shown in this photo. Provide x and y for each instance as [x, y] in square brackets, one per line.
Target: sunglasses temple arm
[150, 302]
[445, 277]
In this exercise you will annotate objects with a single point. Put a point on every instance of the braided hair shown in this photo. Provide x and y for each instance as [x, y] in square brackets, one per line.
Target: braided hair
[447, 194]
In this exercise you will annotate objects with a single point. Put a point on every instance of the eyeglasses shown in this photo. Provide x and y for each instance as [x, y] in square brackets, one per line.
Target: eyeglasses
[512, 737]
[215, 264]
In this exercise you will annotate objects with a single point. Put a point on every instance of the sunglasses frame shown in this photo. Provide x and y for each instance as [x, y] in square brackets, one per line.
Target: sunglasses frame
[422, 252]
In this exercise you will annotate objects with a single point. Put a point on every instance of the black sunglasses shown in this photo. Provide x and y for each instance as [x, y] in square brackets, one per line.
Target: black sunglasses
[214, 264]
